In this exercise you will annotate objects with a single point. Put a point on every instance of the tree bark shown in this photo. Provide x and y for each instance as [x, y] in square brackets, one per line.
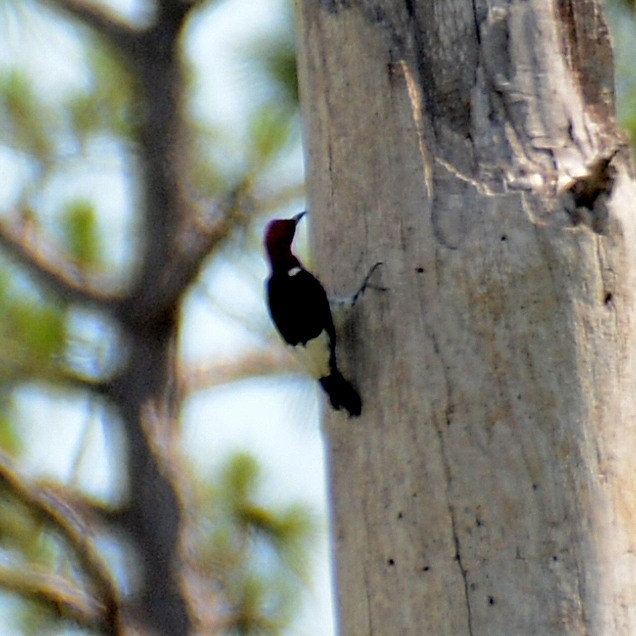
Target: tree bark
[488, 486]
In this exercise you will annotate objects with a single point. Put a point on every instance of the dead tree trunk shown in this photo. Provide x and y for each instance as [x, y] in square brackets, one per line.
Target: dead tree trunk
[471, 146]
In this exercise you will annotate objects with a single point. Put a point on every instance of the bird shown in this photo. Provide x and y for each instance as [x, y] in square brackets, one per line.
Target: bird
[300, 310]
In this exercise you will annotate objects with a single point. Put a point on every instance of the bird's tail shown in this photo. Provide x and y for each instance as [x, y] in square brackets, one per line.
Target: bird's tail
[341, 393]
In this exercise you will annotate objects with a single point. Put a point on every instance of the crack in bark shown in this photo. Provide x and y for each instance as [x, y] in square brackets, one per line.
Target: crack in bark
[478, 19]
[458, 556]
[453, 519]
[448, 479]
[367, 587]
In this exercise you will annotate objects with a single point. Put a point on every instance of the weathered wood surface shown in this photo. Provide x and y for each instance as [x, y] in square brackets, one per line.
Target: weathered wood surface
[488, 487]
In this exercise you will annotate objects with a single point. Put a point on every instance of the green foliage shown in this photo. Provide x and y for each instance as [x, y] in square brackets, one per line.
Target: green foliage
[274, 60]
[622, 17]
[279, 64]
[239, 478]
[21, 534]
[10, 441]
[79, 220]
[255, 550]
[629, 115]
[28, 547]
[27, 118]
[210, 173]
[285, 529]
[32, 335]
[270, 131]
[108, 105]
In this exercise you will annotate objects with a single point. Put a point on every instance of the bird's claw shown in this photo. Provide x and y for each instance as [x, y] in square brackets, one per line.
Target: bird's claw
[366, 285]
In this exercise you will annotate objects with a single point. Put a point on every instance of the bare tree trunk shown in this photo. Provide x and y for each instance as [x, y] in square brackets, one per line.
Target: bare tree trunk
[488, 486]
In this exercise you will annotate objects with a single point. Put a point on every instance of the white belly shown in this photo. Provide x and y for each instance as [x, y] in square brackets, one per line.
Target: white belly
[314, 356]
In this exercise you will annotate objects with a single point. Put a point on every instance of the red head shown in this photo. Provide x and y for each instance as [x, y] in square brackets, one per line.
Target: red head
[279, 235]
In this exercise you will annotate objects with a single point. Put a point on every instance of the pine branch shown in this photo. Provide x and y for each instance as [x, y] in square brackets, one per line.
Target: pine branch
[265, 362]
[161, 288]
[199, 240]
[63, 597]
[58, 277]
[108, 24]
[44, 504]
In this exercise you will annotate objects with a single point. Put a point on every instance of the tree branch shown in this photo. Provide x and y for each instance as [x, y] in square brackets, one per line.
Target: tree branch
[44, 504]
[199, 240]
[57, 277]
[108, 24]
[265, 362]
[62, 596]
[161, 289]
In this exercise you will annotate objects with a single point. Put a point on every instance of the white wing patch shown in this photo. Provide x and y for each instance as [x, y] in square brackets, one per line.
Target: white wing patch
[314, 356]
[294, 270]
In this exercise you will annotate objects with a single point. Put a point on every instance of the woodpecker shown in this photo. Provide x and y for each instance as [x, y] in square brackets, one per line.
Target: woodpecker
[299, 307]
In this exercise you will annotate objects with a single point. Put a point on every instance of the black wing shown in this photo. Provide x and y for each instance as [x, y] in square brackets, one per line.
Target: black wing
[299, 307]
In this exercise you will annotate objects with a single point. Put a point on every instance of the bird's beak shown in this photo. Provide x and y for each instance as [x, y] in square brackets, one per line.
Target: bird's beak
[299, 216]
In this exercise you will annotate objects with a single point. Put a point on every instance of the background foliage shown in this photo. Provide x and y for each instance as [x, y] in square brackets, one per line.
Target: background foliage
[72, 159]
